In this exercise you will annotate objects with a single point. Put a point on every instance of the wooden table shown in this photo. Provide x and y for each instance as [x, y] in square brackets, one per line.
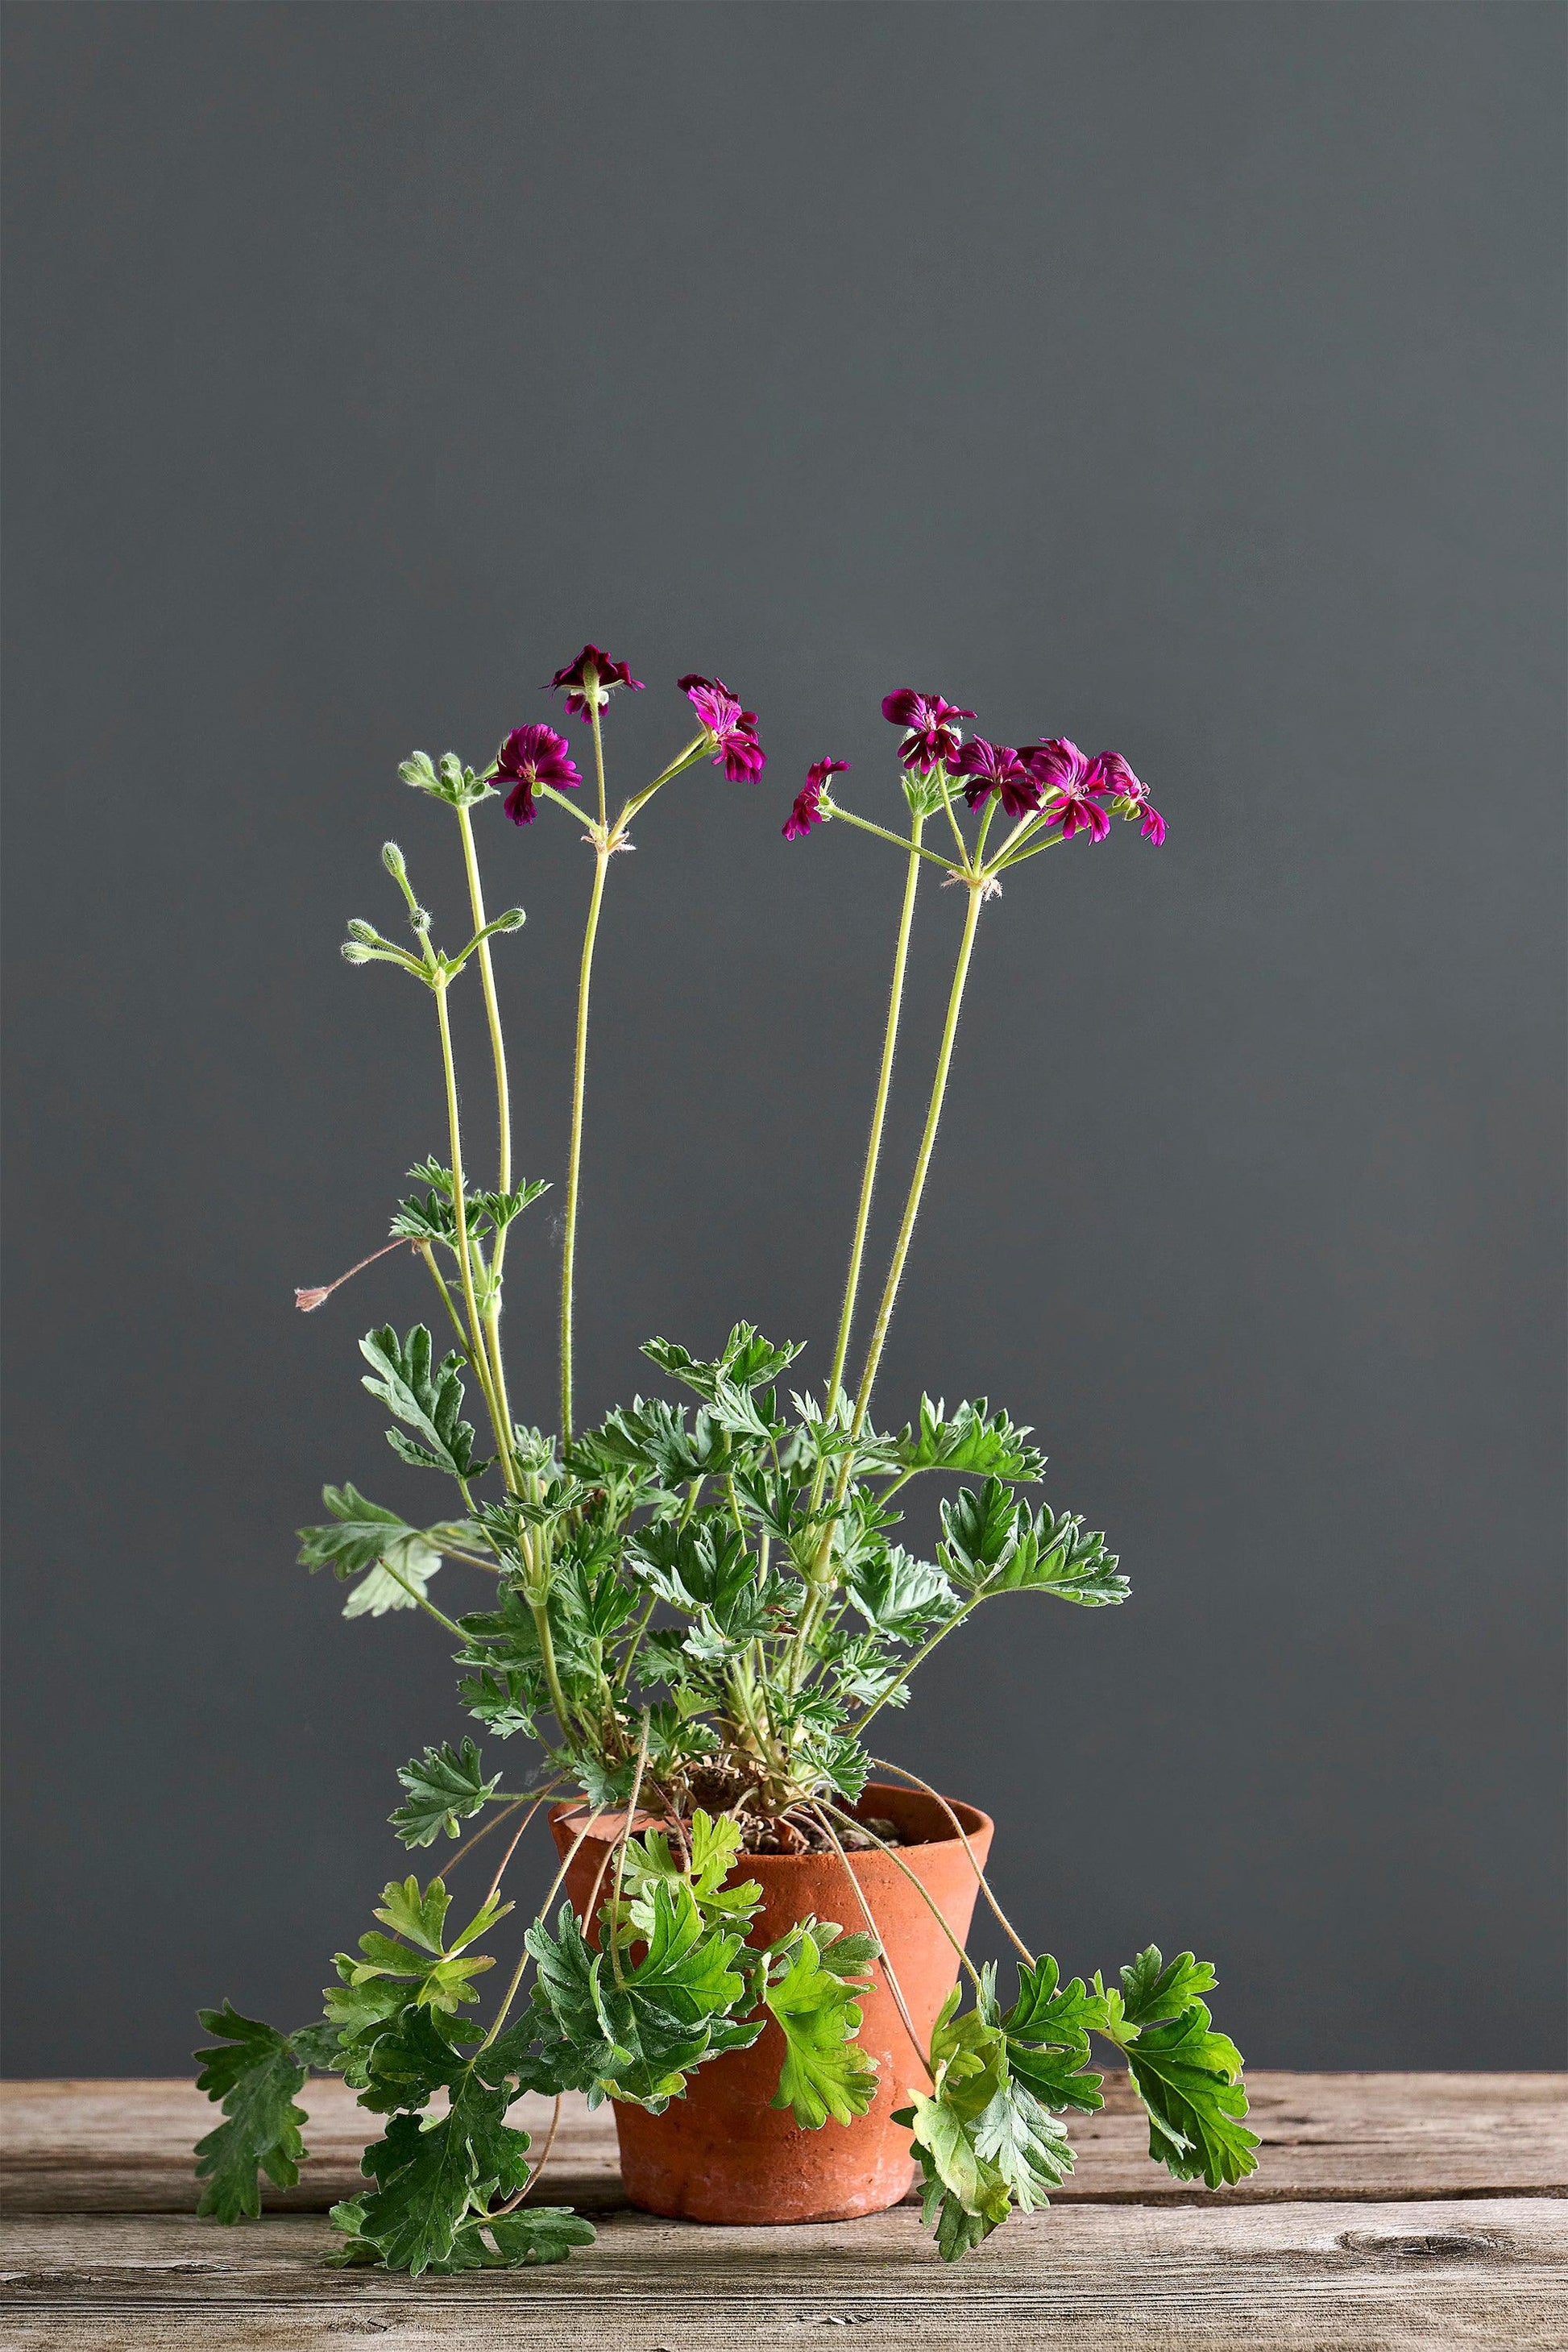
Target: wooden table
[1388, 2211]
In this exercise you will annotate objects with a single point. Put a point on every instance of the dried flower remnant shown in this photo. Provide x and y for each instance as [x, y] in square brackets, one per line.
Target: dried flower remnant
[590, 680]
[530, 757]
[986, 767]
[931, 739]
[735, 731]
[807, 809]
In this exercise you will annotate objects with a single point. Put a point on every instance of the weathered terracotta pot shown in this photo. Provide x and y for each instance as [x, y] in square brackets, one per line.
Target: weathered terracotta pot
[721, 2153]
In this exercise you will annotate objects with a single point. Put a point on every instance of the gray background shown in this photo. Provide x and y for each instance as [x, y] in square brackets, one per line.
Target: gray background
[1185, 379]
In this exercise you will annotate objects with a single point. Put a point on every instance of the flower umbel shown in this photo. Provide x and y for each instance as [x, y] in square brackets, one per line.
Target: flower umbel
[735, 731]
[931, 736]
[589, 680]
[530, 757]
[1129, 795]
[1071, 779]
[988, 768]
[807, 809]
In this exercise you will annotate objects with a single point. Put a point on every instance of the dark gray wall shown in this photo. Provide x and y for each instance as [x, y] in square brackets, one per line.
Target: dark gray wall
[1181, 378]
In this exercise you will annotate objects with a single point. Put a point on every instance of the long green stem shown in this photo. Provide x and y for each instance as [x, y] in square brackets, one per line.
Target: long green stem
[540, 1610]
[510, 1994]
[574, 1167]
[593, 722]
[879, 1111]
[503, 1115]
[465, 1259]
[922, 1160]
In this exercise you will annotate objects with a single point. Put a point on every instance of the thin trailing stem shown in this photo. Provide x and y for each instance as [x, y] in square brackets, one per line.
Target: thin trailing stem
[556, 1885]
[621, 1844]
[893, 1985]
[974, 1863]
[922, 1160]
[923, 1892]
[495, 1822]
[575, 1165]
[594, 720]
[517, 1835]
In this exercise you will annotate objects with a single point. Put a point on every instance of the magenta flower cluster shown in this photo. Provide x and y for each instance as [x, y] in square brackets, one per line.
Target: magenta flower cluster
[735, 731]
[1079, 793]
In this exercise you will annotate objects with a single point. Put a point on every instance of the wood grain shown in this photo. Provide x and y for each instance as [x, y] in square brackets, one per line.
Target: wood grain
[1389, 2215]
[125, 2147]
[1350, 2276]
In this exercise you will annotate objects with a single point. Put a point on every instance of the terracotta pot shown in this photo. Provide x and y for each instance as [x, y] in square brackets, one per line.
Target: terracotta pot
[721, 2153]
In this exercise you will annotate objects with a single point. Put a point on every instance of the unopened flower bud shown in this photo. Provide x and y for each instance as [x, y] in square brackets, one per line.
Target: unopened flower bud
[351, 953]
[512, 920]
[359, 929]
[393, 859]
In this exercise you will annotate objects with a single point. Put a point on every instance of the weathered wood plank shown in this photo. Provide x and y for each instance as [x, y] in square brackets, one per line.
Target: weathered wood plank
[125, 2147]
[1348, 2277]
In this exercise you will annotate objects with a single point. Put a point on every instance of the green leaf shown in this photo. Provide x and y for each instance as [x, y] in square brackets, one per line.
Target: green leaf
[359, 1535]
[969, 2056]
[1027, 2145]
[428, 1401]
[1189, 2079]
[417, 1913]
[1046, 2010]
[429, 2176]
[981, 1531]
[747, 1362]
[256, 2077]
[1056, 1554]
[825, 2072]
[445, 1787]
[989, 1447]
[1152, 1992]
[898, 1596]
[534, 2233]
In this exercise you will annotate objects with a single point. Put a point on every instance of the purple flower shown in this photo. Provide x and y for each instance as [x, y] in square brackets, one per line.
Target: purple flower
[931, 737]
[989, 768]
[532, 756]
[735, 731]
[1128, 795]
[807, 809]
[586, 693]
[1065, 772]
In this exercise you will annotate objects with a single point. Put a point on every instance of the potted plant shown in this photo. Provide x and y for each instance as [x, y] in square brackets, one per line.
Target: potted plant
[697, 1609]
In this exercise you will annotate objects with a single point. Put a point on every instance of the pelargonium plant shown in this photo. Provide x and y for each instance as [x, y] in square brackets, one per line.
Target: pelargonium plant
[693, 1612]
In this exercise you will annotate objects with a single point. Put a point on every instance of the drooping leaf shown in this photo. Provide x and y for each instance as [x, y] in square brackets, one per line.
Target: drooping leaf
[1189, 2079]
[826, 2072]
[255, 2075]
[1154, 1992]
[445, 1786]
[429, 2177]
[1024, 2142]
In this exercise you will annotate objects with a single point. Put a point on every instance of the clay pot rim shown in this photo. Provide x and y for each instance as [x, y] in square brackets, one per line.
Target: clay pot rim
[975, 1823]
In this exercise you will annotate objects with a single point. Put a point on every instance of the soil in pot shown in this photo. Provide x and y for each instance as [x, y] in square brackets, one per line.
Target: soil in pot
[721, 2153]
